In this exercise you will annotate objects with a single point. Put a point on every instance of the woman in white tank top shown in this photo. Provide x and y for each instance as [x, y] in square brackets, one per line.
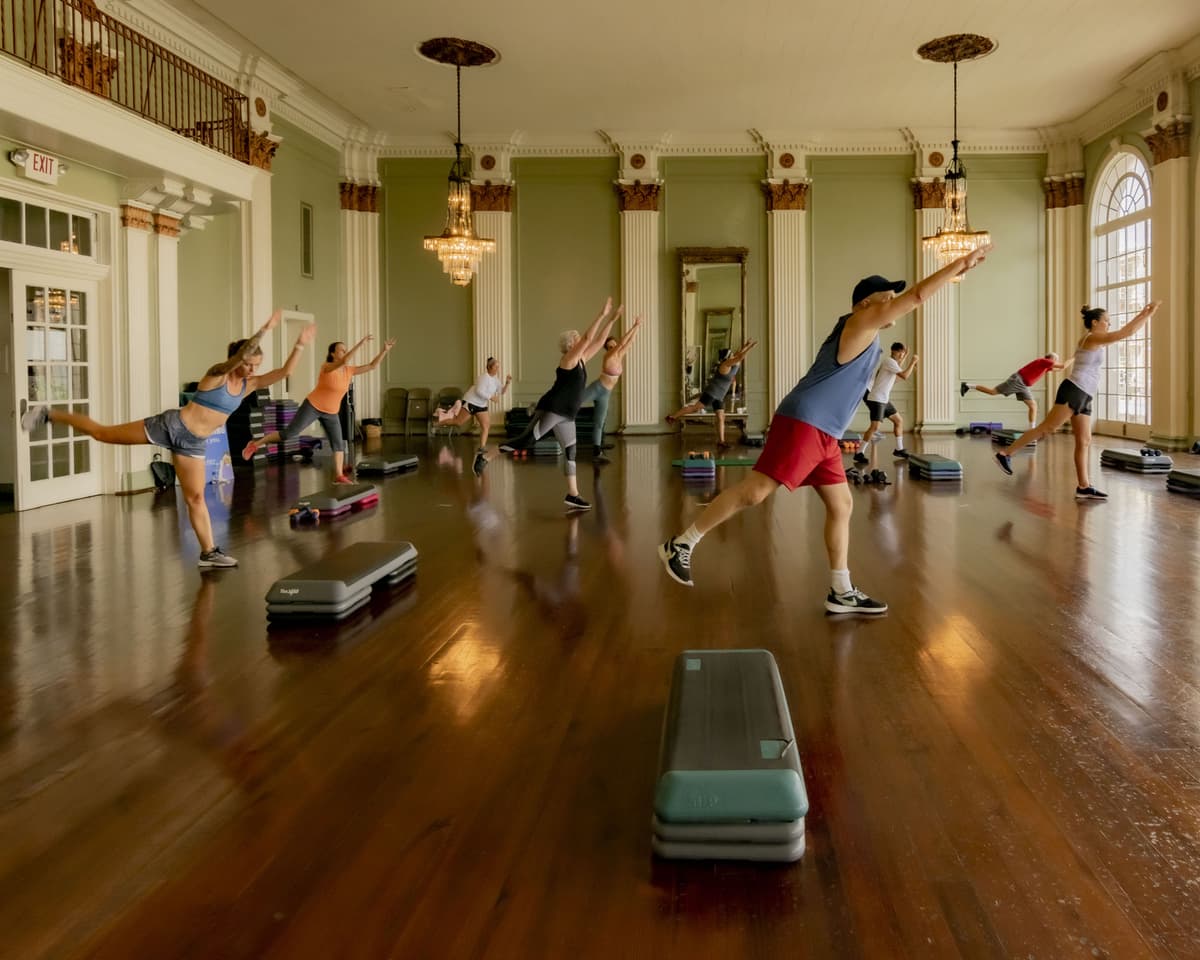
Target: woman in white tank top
[1074, 398]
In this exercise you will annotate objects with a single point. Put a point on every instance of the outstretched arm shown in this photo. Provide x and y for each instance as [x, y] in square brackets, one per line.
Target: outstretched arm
[248, 349]
[366, 367]
[274, 376]
[1133, 326]
[730, 362]
[907, 371]
[577, 352]
[334, 364]
[627, 341]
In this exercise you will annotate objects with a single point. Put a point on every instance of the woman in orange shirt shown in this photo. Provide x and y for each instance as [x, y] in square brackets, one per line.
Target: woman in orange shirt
[324, 402]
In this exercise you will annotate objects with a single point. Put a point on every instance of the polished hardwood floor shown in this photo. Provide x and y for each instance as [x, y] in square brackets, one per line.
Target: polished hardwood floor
[1006, 765]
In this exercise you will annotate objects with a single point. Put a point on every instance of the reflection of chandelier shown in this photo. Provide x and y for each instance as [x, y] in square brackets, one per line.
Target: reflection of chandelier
[457, 247]
[955, 238]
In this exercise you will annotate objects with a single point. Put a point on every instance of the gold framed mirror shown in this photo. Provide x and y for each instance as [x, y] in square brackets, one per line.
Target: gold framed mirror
[713, 317]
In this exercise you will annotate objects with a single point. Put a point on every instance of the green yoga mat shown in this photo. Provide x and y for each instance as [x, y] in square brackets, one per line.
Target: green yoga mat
[727, 462]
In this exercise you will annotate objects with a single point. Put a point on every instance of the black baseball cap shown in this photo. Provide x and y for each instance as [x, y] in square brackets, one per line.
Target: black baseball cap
[875, 284]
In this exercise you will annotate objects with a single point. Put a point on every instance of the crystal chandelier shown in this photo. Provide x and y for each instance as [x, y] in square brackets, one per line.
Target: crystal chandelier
[955, 238]
[457, 247]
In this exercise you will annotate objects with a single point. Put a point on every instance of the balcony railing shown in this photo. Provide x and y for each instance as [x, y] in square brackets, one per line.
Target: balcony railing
[82, 46]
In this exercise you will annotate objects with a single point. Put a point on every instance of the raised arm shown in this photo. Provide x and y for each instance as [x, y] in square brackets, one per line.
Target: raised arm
[366, 367]
[907, 371]
[734, 359]
[582, 345]
[1093, 340]
[627, 341]
[248, 349]
[335, 364]
[264, 380]
[507, 383]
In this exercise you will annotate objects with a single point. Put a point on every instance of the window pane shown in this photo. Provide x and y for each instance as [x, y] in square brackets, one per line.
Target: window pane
[60, 231]
[57, 301]
[60, 431]
[79, 383]
[83, 459]
[35, 343]
[39, 463]
[56, 344]
[82, 228]
[78, 313]
[78, 345]
[59, 383]
[10, 220]
[35, 226]
[35, 305]
[38, 391]
[61, 459]
[80, 408]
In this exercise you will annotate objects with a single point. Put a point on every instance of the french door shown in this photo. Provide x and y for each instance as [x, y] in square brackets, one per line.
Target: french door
[55, 341]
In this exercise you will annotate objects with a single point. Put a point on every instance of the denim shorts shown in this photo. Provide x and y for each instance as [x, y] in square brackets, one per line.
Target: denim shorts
[167, 430]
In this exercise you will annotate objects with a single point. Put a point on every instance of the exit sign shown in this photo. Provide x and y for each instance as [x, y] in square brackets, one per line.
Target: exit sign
[41, 166]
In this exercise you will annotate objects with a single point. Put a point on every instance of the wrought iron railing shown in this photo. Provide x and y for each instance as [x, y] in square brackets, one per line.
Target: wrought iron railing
[85, 47]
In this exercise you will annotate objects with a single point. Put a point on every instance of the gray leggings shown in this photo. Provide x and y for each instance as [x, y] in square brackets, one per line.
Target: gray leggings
[544, 422]
[599, 395]
[306, 416]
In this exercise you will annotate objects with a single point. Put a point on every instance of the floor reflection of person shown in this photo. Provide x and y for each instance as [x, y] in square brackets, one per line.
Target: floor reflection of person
[558, 597]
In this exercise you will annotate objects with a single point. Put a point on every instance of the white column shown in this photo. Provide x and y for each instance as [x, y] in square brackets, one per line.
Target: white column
[492, 288]
[1066, 260]
[789, 323]
[257, 299]
[166, 230]
[936, 325]
[360, 275]
[138, 400]
[1170, 420]
[639, 293]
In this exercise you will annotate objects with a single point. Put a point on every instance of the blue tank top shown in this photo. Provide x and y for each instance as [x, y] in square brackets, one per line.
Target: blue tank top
[220, 399]
[828, 394]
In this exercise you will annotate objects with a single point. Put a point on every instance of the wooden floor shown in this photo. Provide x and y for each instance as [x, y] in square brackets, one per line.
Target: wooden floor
[1007, 765]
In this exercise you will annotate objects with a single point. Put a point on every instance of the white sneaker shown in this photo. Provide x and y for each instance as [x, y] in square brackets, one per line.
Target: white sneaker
[35, 418]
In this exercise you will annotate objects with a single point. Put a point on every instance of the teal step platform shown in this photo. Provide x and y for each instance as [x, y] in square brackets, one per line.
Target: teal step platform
[730, 785]
[1135, 462]
[1007, 436]
[932, 466]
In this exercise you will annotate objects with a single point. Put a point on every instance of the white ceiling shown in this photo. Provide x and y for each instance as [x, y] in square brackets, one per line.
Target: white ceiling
[718, 67]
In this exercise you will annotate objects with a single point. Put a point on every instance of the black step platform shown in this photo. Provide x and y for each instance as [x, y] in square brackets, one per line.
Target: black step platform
[933, 466]
[338, 584]
[339, 498]
[1184, 481]
[1007, 437]
[388, 464]
[1133, 461]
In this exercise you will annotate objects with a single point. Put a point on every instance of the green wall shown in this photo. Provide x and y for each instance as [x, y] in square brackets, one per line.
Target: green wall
[713, 202]
[210, 292]
[305, 170]
[80, 180]
[429, 316]
[862, 223]
[1002, 312]
[566, 259]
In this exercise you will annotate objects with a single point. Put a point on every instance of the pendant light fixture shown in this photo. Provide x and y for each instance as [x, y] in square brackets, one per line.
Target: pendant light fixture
[457, 246]
[955, 238]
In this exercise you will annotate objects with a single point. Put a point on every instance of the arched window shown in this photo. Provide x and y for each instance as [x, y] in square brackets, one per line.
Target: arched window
[1121, 283]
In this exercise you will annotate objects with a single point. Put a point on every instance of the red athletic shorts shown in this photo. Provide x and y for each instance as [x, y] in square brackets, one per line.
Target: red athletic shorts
[797, 454]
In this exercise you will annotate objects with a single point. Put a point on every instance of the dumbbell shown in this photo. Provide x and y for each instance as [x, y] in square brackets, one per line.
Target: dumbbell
[960, 432]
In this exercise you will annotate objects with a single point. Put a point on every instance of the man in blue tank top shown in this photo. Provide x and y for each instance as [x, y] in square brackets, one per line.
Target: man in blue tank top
[802, 449]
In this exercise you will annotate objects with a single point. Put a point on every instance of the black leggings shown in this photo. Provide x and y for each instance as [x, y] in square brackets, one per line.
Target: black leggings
[306, 416]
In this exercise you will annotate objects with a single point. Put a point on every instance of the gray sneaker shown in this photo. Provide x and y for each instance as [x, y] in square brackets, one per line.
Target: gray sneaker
[215, 558]
[35, 418]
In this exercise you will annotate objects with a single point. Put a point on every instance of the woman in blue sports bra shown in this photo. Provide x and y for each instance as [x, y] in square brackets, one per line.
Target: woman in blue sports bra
[183, 432]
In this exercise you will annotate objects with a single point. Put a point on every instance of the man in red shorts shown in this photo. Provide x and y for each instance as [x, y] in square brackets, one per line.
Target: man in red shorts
[1018, 384]
[802, 449]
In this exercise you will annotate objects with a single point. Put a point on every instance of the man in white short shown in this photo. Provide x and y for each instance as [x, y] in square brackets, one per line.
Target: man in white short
[879, 403]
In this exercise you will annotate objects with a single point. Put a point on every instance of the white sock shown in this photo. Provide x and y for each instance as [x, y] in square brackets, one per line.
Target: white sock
[690, 537]
[841, 581]
[900, 442]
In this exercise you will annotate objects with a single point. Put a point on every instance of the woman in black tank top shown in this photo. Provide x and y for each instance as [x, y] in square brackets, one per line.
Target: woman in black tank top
[556, 409]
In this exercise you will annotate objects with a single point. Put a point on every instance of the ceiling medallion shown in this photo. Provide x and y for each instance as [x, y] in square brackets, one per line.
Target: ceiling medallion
[455, 52]
[487, 161]
[1161, 103]
[787, 161]
[956, 48]
[637, 161]
[936, 159]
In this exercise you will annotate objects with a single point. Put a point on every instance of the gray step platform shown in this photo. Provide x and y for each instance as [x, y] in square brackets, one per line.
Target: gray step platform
[1184, 481]
[1007, 436]
[390, 464]
[730, 784]
[933, 466]
[341, 497]
[1133, 461]
[337, 585]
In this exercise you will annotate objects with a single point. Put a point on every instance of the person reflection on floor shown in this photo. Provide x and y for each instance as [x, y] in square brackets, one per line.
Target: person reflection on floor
[558, 597]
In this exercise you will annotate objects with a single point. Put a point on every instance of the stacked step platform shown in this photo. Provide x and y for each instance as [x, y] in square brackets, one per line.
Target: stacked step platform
[1135, 461]
[729, 784]
[1006, 437]
[932, 466]
[697, 467]
[340, 498]
[387, 464]
[339, 584]
[1184, 481]
[278, 414]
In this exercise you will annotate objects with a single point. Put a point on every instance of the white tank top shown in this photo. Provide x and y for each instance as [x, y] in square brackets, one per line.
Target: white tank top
[1085, 371]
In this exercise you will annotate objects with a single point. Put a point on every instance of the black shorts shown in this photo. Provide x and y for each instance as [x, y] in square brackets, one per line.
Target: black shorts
[713, 403]
[880, 411]
[1073, 396]
[473, 409]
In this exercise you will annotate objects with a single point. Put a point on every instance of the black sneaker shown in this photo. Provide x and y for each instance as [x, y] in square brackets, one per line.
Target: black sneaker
[1089, 493]
[35, 418]
[677, 558]
[576, 503]
[900, 454]
[853, 601]
[962, 389]
[480, 464]
[1005, 462]
[861, 458]
[215, 558]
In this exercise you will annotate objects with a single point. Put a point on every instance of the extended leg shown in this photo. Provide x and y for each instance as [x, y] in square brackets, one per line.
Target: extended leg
[191, 473]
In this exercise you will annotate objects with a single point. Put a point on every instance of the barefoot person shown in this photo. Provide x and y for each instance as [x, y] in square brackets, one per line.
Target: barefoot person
[555, 411]
[713, 394]
[183, 432]
[599, 391]
[1018, 384]
[1074, 398]
[324, 403]
[802, 444]
[879, 402]
[475, 401]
